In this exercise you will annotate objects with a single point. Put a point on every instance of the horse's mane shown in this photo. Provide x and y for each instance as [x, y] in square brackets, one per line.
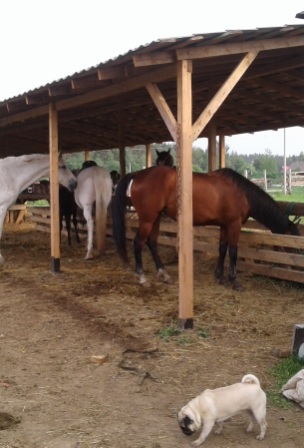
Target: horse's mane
[24, 158]
[263, 207]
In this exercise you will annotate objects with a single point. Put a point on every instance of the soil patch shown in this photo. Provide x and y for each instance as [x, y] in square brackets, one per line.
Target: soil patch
[87, 361]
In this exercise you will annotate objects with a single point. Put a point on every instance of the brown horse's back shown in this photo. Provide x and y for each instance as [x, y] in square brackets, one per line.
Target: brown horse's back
[153, 191]
[217, 200]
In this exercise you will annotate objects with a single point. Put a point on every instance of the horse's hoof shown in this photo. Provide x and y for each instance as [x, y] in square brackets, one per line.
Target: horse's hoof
[88, 257]
[164, 276]
[145, 284]
[222, 281]
[237, 287]
[143, 281]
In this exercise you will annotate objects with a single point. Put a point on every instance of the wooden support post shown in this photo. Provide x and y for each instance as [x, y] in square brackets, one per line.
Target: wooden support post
[184, 187]
[212, 147]
[54, 188]
[148, 156]
[222, 151]
[121, 144]
[122, 161]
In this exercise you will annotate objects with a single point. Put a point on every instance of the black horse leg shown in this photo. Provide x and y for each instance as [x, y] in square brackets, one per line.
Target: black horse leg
[60, 225]
[232, 267]
[138, 247]
[68, 227]
[161, 271]
[75, 223]
[219, 271]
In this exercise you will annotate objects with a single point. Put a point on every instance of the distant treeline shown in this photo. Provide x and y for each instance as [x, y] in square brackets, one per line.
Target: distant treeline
[255, 164]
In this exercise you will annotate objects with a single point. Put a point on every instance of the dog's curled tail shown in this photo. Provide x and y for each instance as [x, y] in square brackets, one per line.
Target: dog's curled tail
[250, 379]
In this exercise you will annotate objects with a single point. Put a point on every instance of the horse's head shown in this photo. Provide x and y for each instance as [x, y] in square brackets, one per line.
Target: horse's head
[164, 158]
[65, 176]
[87, 164]
[115, 176]
[293, 227]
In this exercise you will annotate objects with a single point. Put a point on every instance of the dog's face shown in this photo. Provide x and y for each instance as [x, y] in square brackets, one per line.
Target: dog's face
[189, 420]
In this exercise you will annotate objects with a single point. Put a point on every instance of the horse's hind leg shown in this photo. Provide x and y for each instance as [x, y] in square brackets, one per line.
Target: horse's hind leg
[2, 218]
[87, 212]
[138, 247]
[162, 274]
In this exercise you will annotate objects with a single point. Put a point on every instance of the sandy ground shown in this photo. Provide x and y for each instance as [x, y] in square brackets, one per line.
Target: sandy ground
[51, 325]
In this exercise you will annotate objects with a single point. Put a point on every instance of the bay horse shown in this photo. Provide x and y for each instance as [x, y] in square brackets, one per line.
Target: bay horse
[18, 173]
[223, 197]
[94, 189]
[164, 158]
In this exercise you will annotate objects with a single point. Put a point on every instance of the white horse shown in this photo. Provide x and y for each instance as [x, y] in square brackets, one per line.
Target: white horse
[94, 186]
[18, 173]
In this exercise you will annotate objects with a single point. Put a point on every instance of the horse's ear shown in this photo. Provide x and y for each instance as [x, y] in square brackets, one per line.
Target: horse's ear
[59, 155]
[157, 152]
[169, 150]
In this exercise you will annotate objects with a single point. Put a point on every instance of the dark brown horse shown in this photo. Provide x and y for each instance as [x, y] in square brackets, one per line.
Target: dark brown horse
[164, 158]
[223, 197]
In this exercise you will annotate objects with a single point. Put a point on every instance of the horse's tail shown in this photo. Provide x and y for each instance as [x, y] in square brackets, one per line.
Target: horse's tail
[119, 205]
[103, 194]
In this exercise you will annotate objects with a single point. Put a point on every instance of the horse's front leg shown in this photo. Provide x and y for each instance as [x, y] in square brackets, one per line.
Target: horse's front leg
[232, 268]
[223, 245]
[75, 223]
[68, 227]
[233, 238]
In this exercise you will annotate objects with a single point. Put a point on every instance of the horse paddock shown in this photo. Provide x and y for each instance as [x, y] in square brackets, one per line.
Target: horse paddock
[88, 359]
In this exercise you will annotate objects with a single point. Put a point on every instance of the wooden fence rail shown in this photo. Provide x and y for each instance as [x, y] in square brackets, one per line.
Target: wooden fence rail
[260, 251]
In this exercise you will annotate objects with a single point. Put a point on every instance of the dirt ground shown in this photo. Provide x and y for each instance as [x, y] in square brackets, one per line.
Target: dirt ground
[51, 325]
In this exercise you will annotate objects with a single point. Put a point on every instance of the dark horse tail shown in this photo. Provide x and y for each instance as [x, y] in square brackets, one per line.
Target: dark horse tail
[119, 205]
[263, 208]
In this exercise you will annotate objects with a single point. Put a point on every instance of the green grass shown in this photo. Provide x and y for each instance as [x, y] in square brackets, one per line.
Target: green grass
[174, 332]
[282, 372]
[40, 203]
[297, 195]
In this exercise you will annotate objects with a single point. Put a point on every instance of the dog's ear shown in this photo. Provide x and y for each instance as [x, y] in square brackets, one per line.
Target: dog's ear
[194, 415]
[197, 419]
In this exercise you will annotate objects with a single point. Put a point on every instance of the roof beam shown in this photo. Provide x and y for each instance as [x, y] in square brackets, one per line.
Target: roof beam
[222, 94]
[210, 51]
[163, 109]
[96, 95]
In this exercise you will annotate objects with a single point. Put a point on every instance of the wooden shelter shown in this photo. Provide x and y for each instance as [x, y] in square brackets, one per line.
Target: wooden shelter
[178, 89]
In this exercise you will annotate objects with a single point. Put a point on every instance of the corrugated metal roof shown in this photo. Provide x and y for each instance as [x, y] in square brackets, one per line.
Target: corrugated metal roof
[269, 96]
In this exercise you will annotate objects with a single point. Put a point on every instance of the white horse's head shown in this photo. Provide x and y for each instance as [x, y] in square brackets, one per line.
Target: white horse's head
[65, 176]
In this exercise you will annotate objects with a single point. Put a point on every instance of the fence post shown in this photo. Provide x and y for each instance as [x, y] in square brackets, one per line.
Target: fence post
[265, 180]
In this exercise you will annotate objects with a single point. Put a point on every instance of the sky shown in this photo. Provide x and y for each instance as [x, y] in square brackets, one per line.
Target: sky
[43, 41]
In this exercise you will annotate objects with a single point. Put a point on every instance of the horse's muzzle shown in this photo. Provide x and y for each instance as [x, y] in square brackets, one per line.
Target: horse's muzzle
[72, 185]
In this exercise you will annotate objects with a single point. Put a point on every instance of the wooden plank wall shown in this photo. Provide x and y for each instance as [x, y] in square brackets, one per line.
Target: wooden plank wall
[260, 251]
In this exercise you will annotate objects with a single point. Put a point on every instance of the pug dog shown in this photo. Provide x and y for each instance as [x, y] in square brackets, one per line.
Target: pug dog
[217, 405]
